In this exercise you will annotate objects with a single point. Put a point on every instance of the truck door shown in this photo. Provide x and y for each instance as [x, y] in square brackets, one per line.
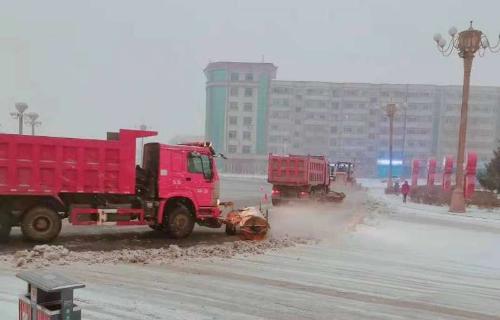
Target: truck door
[200, 175]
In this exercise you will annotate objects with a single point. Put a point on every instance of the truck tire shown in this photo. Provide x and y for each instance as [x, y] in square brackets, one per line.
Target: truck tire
[276, 202]
[180, 222]
[41, 224]
[5, 227]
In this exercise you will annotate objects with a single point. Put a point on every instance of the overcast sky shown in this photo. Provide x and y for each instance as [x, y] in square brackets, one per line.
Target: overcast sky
[92, 66]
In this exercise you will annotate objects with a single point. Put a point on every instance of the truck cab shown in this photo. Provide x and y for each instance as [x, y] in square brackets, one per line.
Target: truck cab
[180, 178]
[342, 174]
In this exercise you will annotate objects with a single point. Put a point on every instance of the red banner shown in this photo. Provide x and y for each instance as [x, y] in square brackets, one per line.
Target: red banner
[447, 172]
[470, 175]
[431, 172]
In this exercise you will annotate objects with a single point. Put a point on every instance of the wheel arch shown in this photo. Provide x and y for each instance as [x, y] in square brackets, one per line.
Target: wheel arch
[19, 205]
[169, 204]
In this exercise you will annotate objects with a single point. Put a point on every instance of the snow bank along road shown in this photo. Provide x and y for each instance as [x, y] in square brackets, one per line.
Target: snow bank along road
[410, 262]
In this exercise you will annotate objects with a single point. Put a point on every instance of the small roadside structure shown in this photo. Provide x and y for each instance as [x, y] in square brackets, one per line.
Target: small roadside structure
[49, 296]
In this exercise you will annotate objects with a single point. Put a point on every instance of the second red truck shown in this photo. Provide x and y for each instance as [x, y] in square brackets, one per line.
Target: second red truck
[296, 177]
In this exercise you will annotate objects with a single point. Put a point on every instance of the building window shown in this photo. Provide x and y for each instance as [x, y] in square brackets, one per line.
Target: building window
[233, 120]
[233, 106]
[333, 130]
[247, 135]
[298, 109]
[247, 121]
[248, 92]
[249, 77]
[231, 149]
[234, 91]
[248, 107]
[297, 121]
[347, 130]
[232, 134]
[246, 149]
[235, 76]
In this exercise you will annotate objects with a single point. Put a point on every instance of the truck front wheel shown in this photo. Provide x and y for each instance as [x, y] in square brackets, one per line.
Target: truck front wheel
[41, 224]
[180, 222]
[5, 227]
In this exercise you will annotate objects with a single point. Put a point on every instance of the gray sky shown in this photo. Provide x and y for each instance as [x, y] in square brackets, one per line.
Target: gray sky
[92, 66]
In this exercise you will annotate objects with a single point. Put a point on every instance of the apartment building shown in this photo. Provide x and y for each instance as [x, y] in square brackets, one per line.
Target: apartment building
[237, 108]
[348, 120]
[345, 121]
[483, 127]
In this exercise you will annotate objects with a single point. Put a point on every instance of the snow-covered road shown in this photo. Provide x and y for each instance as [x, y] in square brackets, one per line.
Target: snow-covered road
[404, 262]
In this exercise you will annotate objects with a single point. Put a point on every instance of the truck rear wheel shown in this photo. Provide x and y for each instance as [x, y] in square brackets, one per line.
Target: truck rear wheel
[41, 224]
[5, 227]
[180, 222]
[276, 202]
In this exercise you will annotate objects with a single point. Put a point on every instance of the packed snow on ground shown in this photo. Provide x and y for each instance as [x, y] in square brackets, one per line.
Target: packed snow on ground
[48, 255]
[403, 262]
[376, 190]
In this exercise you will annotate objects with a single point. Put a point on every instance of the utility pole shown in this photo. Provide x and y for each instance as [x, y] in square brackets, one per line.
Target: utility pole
[390, 111]
[19, 114]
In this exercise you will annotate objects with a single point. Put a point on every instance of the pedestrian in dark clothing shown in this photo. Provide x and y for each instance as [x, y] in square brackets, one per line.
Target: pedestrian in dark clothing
[405, 190]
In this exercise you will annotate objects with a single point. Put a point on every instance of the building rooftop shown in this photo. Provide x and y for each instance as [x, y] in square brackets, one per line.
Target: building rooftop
[242, 66]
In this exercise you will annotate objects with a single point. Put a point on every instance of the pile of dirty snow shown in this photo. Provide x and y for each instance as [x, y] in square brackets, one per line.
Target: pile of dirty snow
[47, 255]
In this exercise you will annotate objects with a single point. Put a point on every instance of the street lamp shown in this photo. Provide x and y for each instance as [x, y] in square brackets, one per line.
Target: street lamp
[390, 110]
[19, 114]
[467, 43]
[31, 120]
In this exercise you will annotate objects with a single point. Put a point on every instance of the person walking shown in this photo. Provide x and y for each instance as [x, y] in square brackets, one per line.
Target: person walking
[405, 190]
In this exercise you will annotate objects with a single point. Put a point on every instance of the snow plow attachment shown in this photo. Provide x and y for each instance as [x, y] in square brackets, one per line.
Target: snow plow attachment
[249, 223]
[333, 196]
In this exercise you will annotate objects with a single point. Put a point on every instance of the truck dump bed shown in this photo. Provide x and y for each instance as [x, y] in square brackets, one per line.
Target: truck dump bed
[297, 170]
[52, 165]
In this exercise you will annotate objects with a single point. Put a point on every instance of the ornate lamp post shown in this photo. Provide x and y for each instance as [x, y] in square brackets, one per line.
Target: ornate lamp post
[391, 112]
[19, 114]
[467, 43]
[31, 120]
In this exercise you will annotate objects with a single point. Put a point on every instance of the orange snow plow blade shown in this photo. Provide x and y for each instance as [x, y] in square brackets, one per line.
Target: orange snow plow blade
[333, 196]
[248, 223]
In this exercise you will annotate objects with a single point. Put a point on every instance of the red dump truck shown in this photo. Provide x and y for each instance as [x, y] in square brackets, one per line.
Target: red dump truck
[92, 182]
[298, 177]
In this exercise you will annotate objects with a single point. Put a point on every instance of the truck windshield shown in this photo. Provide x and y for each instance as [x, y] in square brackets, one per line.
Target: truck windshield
[200, 164]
